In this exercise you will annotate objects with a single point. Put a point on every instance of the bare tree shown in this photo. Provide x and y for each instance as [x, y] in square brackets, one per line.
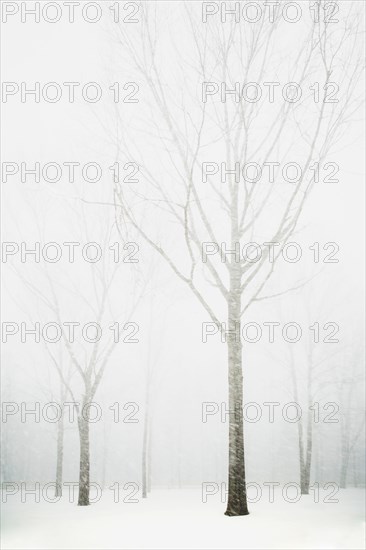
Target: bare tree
[60, 424]
[58, 295]
[352, 418]
[151, 379]
[305, 430]
[305, 426]
[60, 444]
[64, 373]
[146, 445]
[188, 128]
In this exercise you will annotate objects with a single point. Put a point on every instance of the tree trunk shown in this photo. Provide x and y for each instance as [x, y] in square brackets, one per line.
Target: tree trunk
[345, 435]
[344, 469]
[145, 446]
[301, 457]
[305, 462]
[60, 455]
[305, 480]
[318, 455]
[355, 471]
[300, 430]
[237, 498]
[84, 473]
[149, 457]
[305, 456]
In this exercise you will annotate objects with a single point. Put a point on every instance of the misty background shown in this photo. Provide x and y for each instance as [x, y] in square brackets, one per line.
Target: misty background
[169, 370]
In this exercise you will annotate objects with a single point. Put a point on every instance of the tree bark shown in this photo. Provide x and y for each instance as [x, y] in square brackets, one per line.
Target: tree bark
[237, 498]
[84, 472]
[60, 456]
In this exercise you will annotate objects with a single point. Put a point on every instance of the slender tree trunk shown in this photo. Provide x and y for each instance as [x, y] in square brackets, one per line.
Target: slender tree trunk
[344, 469]
[305, 481]
[237, 498]
[145, 446]
[105, 455]
[301, 457]
[348, 445]
[179, 460]
[305, 457]
[309, 432]
[84, 473]
[149, 457]
[354, 468]
[300, 429]
[345, 440]
[60, 455]
[318, 450]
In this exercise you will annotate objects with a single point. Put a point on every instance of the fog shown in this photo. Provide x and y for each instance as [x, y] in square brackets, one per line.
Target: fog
[114, 282]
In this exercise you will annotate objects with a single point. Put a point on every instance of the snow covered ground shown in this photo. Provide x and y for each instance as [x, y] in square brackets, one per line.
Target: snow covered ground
[179, 519]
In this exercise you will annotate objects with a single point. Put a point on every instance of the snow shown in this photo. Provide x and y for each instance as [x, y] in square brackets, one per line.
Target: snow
[178, 519]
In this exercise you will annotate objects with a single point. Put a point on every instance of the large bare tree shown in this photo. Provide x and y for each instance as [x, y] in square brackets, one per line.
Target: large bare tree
[201, 122]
